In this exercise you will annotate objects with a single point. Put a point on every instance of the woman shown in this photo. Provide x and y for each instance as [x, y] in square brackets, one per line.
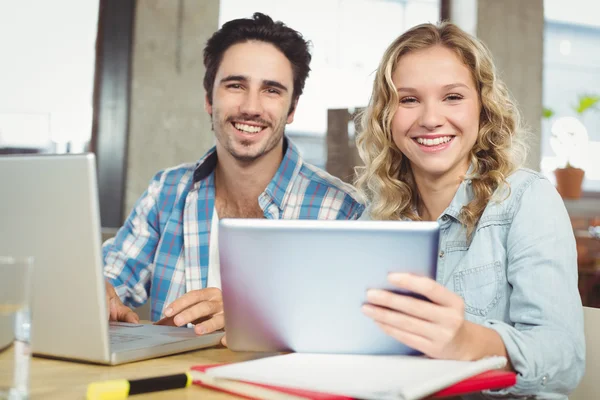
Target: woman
[442, 141]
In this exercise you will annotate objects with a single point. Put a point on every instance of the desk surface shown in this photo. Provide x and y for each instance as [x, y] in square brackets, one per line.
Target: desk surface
[54, 379]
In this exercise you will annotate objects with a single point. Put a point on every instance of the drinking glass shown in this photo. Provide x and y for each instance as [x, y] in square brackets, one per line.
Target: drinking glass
[15, 327]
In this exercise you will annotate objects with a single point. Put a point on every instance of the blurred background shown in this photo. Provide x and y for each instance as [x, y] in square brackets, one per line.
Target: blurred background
[123, 79]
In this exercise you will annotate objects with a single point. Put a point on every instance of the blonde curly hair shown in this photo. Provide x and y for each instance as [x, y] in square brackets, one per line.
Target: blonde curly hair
[387, 181]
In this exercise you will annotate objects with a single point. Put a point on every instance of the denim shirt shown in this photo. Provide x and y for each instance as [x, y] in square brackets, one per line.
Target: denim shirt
[518, 276]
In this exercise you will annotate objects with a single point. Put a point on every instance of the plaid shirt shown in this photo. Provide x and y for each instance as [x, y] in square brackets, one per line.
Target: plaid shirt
[162, 250]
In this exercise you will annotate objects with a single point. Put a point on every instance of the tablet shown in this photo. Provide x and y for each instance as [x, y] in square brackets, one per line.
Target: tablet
[298, 285]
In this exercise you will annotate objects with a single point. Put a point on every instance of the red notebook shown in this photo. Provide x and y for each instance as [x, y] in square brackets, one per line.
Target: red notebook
[490, 380]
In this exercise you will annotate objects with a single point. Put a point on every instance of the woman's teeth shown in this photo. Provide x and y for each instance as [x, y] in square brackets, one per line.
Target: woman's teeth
[248, 128]
[434, 142]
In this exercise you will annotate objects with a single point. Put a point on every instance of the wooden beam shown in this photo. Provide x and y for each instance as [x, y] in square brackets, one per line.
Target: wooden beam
[445, 10]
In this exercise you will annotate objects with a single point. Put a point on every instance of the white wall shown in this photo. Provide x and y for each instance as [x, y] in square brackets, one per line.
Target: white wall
[583, 12]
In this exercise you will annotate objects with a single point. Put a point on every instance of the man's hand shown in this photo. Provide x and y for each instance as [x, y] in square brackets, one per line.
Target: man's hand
[203, 307]
[117, 311]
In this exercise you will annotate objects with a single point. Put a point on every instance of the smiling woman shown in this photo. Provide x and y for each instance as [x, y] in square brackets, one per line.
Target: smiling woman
[436, 123]
[442, 141]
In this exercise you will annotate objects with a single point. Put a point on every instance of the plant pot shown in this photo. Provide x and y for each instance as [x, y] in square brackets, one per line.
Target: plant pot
[568, 182]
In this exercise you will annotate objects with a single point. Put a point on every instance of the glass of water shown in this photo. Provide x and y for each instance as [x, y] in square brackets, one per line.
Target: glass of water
[15, 327]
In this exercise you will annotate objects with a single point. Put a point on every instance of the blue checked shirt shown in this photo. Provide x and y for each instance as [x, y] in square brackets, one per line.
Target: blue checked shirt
[162, 250]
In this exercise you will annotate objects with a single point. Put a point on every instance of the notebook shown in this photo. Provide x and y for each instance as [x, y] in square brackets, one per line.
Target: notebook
[340, 377]
[489, 380]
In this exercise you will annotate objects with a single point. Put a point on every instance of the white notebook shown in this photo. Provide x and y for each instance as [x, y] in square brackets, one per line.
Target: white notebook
[359, 376]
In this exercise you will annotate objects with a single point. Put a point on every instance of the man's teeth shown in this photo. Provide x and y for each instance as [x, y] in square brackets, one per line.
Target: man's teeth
[434, 142]
[248, 128]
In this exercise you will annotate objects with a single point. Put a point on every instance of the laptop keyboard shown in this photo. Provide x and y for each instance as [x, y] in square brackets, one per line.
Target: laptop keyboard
[120, 337]
[121, 333]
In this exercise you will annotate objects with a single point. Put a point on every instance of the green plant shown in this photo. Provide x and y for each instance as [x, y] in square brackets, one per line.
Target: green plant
[547, 113]
[586, 102]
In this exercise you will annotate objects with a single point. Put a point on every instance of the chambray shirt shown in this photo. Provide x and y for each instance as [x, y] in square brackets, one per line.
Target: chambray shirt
[518, 276]
[162, 250]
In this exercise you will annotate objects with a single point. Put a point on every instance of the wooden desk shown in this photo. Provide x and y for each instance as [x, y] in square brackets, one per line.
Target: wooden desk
[54, 379]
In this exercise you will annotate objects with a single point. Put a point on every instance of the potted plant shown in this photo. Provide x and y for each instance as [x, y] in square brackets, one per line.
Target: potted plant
[569, 141]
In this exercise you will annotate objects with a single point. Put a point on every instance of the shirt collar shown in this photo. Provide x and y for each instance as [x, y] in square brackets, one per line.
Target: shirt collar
[462, 197]
[282, 183]
[279, 187]
[206, 165]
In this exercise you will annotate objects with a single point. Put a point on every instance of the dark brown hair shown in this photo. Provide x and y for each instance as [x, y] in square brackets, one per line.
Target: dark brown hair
[260, 28]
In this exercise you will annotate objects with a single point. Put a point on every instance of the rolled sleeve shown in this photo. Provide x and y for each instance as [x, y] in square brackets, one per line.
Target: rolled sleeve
[350, 210]
[545, 338]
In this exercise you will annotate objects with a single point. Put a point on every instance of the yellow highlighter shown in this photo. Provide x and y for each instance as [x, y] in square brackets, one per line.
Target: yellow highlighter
[122, 388]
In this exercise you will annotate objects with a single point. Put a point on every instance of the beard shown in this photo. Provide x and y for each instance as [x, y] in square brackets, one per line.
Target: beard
[247, 150]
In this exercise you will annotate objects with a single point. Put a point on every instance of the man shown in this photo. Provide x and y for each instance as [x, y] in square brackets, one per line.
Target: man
[167, 252]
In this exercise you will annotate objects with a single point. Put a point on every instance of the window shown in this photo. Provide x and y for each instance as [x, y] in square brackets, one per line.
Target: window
[47, 72]
[348, 38]
[571, 69]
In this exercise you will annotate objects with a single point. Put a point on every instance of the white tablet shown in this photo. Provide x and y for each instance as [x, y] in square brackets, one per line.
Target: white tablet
[298, 285]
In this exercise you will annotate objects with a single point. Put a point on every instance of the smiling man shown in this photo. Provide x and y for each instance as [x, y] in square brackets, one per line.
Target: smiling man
[167, 251]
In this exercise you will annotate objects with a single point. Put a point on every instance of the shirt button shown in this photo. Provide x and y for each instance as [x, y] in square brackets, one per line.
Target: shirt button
[444, 218]
[544, 380]
[442, 254]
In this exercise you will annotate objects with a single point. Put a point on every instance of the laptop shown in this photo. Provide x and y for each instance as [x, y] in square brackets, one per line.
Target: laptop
[50, 211]
[298, 285]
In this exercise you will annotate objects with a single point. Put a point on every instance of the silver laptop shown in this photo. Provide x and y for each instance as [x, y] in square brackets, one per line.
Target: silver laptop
[299, 285]
[50, 211]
